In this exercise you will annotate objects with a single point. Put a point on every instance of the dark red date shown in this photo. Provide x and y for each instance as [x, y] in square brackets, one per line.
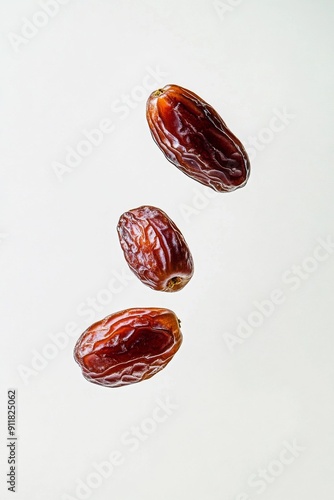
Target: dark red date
[128, 346]
[155, 249]
[195, 139]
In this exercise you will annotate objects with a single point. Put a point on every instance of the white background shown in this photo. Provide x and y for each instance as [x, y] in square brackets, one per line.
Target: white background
[234, 408]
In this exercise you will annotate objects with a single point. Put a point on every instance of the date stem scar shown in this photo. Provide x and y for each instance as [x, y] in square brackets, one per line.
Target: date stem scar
[158, 92]
[173, 282]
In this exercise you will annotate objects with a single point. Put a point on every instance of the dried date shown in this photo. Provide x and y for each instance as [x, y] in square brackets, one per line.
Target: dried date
[128, 346]
[195, 139]
[155, 249]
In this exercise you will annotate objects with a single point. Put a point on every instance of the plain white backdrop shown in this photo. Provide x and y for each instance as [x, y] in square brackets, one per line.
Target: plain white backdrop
[254, 376]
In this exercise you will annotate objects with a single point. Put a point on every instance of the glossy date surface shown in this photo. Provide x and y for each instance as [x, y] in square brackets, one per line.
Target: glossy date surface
[155, 249]
[194, 137]
[128, 346]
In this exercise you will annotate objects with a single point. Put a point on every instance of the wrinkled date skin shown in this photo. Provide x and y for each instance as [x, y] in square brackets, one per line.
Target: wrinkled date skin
[195, 139]
[128, 346]
[155, 249]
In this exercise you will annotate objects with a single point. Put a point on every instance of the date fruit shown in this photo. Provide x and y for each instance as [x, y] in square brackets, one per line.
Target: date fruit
[155, 249]
[128, 346]
[195, 139]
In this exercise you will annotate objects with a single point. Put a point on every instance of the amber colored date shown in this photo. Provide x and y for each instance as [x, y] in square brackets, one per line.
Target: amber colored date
[195, 139]
[128, 346]
[155, 249]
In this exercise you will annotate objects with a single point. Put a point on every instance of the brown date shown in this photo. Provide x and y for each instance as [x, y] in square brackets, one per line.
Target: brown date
[195, 139]
[155, 249]
[128, 346]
